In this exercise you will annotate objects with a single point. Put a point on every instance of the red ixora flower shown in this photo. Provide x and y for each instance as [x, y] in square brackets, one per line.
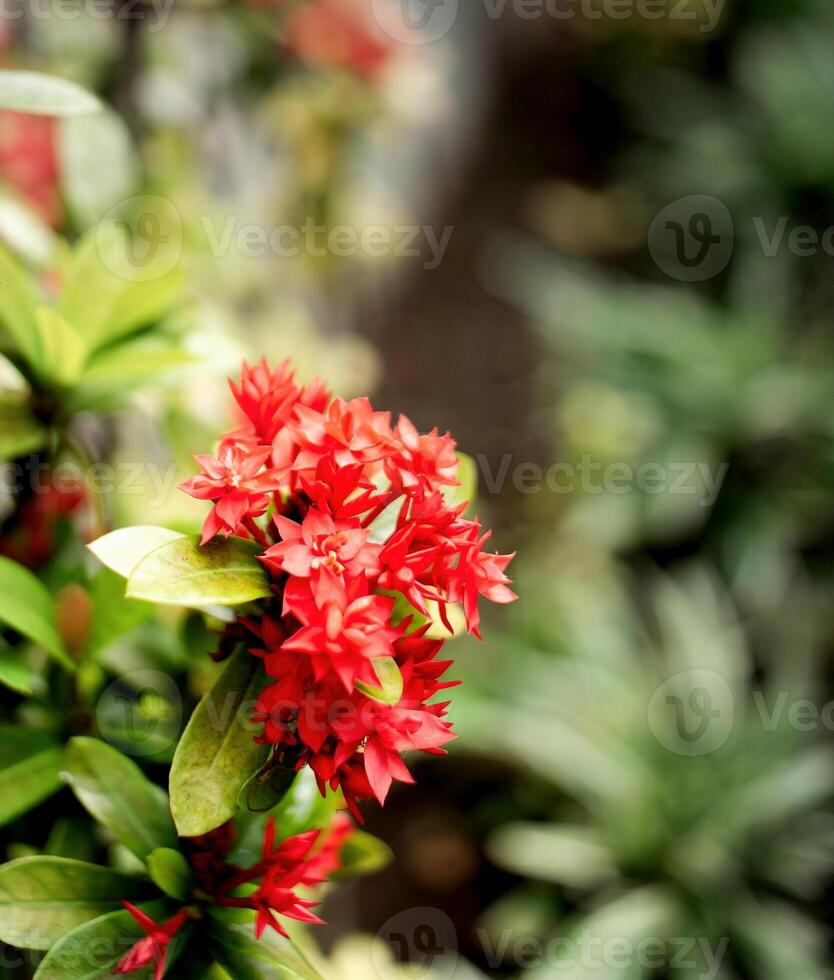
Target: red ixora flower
[237, 484]
[303, 861]
[294, 863]
[365, 550]
[153, 949]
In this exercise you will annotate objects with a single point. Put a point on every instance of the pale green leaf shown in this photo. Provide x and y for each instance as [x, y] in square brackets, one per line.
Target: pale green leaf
[122, 550]
[90, 190]
[184, 573]
[63, 352]
[101, 294]
[44, 95]
[25, 232]
[18, 299]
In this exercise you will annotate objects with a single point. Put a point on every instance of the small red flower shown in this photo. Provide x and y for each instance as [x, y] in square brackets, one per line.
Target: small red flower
[344, 627]
[284, 867]
[153, 949]
[320, 542]
[237, 484]
[266, 399]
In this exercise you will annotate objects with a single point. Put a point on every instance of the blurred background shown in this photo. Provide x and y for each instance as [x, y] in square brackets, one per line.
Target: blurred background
[595, 240]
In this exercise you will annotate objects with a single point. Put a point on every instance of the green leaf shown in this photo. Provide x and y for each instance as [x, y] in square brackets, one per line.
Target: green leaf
[245, 958]
[101, 294]
[123, 550]
[26, 233]
[390, 679]
[63, 352]
[118, 794]
[28, 608]
[217, 752]
[92, 950]
[20, 434]
[42, 898]
[91, 190]
[14, 673]
[18, 299]
[113, 615]
[29, 782]
[44, 95]
[18, 743]
[114, 372]
[182, 573]
[363, 854]
[169, 869]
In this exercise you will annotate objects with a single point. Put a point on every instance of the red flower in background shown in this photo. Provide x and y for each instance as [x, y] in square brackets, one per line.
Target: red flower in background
[34, 537]
[338, 34]
[362, 533]
[29, 162]
[238, 485]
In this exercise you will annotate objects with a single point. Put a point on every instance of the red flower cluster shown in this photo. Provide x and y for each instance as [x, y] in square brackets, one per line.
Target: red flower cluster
[305, 860]
[362, 530]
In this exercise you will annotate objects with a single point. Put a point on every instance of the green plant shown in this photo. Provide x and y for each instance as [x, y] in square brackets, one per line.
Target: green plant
[675, 796]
